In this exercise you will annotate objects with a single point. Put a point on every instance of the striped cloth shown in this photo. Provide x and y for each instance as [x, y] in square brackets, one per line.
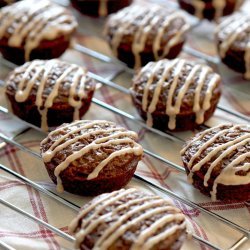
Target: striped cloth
[22, 233]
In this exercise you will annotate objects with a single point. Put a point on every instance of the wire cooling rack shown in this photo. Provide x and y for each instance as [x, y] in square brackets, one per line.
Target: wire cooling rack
[243, 233]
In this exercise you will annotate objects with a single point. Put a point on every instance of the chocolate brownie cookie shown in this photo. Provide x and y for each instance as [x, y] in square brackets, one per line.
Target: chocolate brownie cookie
[99, 8]
[129, 219]
[175, 94]
[217, 162]
[91, 157]
[210, 9]
[49, 93]
[142, 33]
[233, 42]
[33, 29]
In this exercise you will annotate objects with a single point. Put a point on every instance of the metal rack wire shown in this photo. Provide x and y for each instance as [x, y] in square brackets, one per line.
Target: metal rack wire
[244, 231]
[73, 206]
[169, 136]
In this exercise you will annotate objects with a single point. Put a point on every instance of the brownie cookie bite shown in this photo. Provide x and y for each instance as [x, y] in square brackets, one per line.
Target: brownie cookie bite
[217, 162]
[99, 8]
[49, 93]
[233, 42]
[91, 157]
[129, 219]
[33, 29]
[142, 33]
[175, 94]
[210, 9]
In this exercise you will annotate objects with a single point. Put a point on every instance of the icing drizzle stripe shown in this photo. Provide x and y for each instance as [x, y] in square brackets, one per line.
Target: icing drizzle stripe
[32, 22]
[151, 71]
[117, 136]
[228, 174]
[42, 71]
[143, 20]
[146, 207]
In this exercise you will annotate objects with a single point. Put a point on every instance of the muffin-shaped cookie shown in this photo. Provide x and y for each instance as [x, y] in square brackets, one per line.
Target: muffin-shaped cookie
[99, 8]
[175, 94]
[142, 33]
[210, 9]
[129, 219]
[217, 162]
[33, 29]
[91, 157]
[6, 2]
[233, 40]
[49, 93]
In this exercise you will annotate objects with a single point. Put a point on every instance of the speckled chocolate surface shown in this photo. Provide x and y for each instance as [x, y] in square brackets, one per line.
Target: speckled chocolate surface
[125, 241]
[233, 190]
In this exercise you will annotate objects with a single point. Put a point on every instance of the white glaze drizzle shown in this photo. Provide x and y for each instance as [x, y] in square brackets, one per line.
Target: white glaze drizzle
[59, 145]
[218, 5]
[43, 70]
[199, 7]
[106, 242]
[123, 218]
[231, 170]
[99, 209]
[177, 65]
[65, 127]
[146, 242]
[94, 204]
[140, 37]
[232, 28]
[228, 174]
[34, 21]
[201, 135]
[208, 143]
[235, 28]
[143, 20]
[145, 207]
[103, 8]
[117, 136]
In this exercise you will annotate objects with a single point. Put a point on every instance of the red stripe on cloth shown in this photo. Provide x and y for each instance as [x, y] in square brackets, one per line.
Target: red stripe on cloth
[10, 184]
[219, 205]
[108, 99]
[33, 199]
[7, 152]
[167, 170]
[149, 173]
[197, 229]
[146, 173]
[44, 216]
[155, 173]
[191, 212]
[41, 212]
[31, 235]
[142, 133]
[12, 149]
